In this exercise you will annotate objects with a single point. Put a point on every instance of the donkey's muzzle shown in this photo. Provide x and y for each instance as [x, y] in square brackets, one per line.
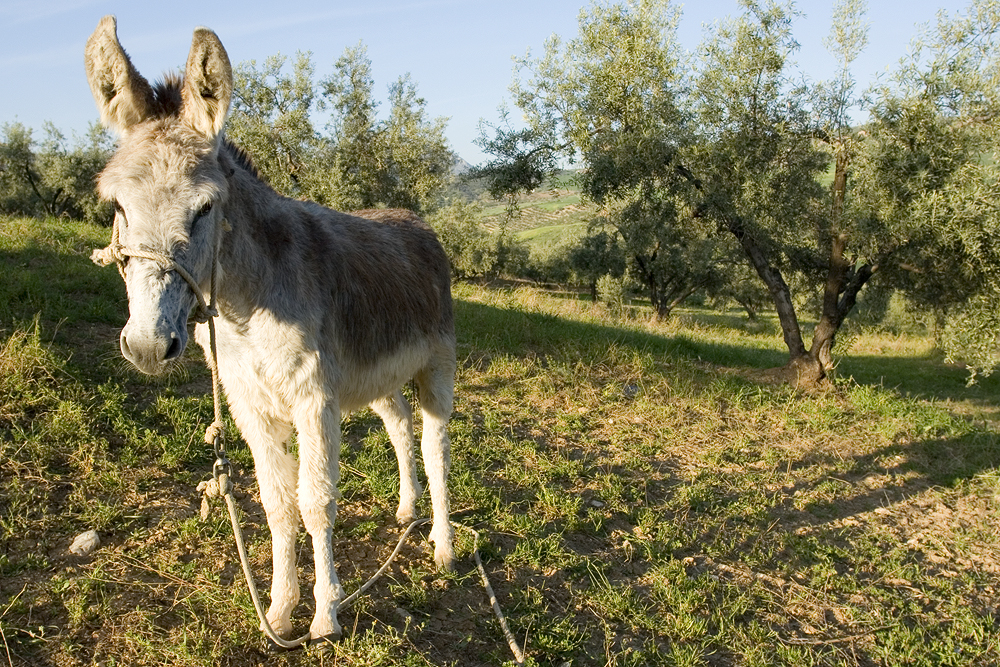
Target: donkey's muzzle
[151, 352]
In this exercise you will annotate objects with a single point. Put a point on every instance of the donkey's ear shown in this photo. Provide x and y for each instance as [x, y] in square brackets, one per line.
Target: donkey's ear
[123, 97]
[208, 84]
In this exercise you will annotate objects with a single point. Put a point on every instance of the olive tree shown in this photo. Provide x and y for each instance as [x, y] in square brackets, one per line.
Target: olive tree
[613, 98]
[271, 119]
[754, 168]
[361, 160]
[927, 179]
[53, 177]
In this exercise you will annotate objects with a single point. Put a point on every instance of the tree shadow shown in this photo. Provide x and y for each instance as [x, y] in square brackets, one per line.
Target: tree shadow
[51, 274]
[925, 377]
[485, 330]
[913, 468]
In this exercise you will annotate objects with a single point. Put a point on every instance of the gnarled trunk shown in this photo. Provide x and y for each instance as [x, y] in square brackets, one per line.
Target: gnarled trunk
[803, 370]
[843, 282]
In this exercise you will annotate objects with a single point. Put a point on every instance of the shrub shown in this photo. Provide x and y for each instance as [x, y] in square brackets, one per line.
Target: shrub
[611, 292]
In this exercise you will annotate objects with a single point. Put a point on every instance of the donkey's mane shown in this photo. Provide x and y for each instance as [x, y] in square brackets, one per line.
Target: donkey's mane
[167, 101]
[242, 158]
[167, 95]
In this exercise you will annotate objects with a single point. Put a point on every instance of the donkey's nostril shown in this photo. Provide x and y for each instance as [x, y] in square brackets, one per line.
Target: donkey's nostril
[126, 350]
[174, 350]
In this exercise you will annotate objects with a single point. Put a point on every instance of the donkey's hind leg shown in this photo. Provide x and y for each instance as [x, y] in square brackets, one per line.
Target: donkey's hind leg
[436, 385]
[398, 417]
[277, 471]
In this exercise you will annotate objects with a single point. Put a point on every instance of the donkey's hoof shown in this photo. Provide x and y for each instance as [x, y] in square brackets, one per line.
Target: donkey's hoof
[444, 559]
[281, 626]
[325, 643]
[443, 538]
[404, 517]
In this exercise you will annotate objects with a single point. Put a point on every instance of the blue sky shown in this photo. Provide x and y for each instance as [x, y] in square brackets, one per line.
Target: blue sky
[457, 51]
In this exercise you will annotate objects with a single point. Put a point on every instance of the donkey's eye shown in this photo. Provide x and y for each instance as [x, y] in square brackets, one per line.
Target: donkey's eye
[202, 212]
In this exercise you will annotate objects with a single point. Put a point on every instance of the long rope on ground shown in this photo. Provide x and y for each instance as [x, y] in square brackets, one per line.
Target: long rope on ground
[225, 489]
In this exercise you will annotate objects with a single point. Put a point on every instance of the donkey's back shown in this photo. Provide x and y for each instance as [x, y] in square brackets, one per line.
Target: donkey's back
[398, 282]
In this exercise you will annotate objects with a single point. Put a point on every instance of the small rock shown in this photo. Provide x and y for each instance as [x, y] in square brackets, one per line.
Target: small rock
[85, 543]
[596, 503]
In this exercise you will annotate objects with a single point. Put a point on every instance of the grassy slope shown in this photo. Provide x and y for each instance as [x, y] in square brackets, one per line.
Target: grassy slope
[556, 212]
[643, 501]
[553, 213]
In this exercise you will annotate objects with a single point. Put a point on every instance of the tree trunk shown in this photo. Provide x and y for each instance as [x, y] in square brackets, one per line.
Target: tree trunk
[46, 208]
[776, 286]
[841, 303]
[802, 370]
[679, 296]
[750, 307]
[663, 310]
[843, 283]
[656, 300]
[830, 319]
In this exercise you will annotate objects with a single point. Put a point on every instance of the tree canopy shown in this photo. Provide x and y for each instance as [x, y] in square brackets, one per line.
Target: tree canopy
[705, 162]
[51, 177]
[361, 160]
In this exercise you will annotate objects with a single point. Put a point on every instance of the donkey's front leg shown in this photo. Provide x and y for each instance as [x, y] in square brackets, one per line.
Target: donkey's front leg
[276, 475]
[318, 424]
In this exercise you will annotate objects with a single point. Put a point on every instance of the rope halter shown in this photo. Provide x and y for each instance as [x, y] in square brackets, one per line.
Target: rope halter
[118, 253]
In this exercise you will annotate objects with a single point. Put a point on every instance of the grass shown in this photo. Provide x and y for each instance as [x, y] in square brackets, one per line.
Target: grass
[643, 498]
[552, 233]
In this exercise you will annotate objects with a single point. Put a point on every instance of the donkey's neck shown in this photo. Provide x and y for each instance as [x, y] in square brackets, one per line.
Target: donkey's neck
[253, 253]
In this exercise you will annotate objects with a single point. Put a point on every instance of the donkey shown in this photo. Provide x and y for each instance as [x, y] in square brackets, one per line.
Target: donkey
[319, 312]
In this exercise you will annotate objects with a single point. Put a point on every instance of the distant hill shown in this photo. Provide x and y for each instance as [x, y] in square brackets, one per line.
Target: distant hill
[554, 211]
[460, 167]
[549, 216]
[462, 187]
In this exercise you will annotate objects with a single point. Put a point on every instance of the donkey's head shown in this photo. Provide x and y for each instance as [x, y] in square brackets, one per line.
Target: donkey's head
[166, 183]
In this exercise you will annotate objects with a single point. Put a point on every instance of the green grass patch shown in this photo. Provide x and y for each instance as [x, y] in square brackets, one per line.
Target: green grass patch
[643, 497]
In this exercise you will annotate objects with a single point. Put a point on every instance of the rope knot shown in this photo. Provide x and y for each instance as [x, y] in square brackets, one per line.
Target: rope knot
[217, 487]
[208, 489]
[213, 432]
[112, 254]
[204, 314]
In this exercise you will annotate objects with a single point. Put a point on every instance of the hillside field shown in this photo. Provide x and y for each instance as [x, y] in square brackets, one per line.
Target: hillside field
[554, 211]
[644, 495]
